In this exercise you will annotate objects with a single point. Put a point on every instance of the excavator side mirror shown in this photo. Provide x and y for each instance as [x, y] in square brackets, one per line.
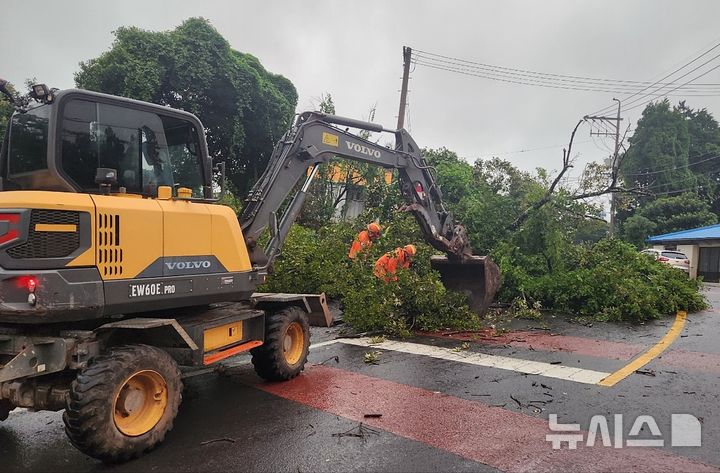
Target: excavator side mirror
[105, 178]
[220, 167]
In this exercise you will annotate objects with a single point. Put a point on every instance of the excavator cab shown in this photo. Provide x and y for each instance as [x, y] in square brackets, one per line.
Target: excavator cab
[59, 144]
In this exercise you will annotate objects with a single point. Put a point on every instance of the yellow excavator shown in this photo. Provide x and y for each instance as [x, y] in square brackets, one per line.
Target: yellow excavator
[118, 266]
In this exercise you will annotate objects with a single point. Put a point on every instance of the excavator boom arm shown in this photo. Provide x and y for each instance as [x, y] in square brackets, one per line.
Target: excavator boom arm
[314, 139]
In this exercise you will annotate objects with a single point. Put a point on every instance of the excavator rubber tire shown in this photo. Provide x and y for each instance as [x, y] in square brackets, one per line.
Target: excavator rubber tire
[287, 344]
[91, 417]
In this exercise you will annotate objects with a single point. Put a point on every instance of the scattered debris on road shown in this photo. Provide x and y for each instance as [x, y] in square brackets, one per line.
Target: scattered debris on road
[371, 357]
[462, 347]
[376, 340]
[646, 372]
[336, 358]
[360, 431]
[224, 439]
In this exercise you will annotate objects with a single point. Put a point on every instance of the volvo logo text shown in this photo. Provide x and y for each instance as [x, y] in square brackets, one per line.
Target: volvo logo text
[205, 264]
[362, 149]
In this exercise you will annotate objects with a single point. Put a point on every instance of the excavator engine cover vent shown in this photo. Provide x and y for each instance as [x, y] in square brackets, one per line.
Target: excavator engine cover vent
[109, 251]
[49, 244]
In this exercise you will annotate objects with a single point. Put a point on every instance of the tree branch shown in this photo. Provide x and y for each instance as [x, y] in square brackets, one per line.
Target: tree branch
[548, 194]
[612, 190]
[581, 214]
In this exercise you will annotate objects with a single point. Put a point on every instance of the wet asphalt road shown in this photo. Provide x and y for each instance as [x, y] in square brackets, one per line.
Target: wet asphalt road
[250, 429]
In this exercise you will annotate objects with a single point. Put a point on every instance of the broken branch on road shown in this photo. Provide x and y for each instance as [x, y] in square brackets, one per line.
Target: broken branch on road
[224, 439]
[359, 431]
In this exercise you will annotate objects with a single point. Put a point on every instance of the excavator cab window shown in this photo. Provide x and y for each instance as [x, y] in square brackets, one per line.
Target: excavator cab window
[147, 149]
[25, 151]
[28, 141]
[184, 152]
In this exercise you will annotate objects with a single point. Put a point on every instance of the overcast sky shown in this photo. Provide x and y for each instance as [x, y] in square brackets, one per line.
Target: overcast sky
[353, 50]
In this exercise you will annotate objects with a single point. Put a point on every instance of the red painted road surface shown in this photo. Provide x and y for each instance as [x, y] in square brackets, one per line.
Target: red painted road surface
[549, 342]
[503, 439]
[696, 361]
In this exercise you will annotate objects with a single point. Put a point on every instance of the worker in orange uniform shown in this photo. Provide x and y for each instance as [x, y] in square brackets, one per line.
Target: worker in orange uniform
[387, 265]
[364, 240]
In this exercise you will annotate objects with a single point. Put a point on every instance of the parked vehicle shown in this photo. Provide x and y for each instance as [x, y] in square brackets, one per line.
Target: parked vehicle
[675, 259]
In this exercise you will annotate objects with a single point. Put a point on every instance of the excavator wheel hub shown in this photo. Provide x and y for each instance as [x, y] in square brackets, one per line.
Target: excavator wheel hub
[140, 403]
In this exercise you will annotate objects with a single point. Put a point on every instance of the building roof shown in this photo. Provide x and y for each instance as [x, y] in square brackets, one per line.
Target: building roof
[711, 232]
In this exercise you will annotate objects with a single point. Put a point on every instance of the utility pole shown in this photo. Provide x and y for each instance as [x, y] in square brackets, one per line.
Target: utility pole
[615, 121]
[614, 171]
[407, 55]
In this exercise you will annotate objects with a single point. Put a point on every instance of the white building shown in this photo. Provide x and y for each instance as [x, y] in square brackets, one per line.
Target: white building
[700, 245]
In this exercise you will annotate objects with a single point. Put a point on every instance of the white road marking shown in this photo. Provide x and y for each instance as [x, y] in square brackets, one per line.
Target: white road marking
[569, 373]
[325, 343]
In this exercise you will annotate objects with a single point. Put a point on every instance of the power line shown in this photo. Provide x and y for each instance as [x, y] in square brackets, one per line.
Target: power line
[606, 147]
[532, 79]
[535, 79]
[696, 188]
[537, 83]
[659, 81]
[678, 191]
[449, 60]
[600, 124]
[674, 168]
[697, 77]
[667, 184]
[531, 149]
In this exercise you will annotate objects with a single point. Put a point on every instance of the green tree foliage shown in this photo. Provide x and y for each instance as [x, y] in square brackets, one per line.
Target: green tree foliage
[244, 108]
[555, 252]
[671, 214]
[608, 281]
[704, 135]
[659, 149]
[674, 156]
[667, 214]
[637, 229]
[6, 109]
[485, 196]
[316, 261]
[590, 230]
[704, 153]
[488, 195]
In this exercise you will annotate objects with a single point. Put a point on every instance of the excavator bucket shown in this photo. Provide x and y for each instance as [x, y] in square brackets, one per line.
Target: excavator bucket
[478, 277]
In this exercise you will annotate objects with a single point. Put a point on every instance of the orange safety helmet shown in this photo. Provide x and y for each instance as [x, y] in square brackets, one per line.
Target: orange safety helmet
[410, 249]
[374, 228]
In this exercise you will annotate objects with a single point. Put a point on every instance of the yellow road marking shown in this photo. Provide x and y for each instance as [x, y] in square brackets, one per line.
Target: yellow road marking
[650, 354]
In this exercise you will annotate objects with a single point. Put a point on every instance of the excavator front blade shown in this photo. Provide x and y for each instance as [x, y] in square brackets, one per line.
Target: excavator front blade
[478, 277]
